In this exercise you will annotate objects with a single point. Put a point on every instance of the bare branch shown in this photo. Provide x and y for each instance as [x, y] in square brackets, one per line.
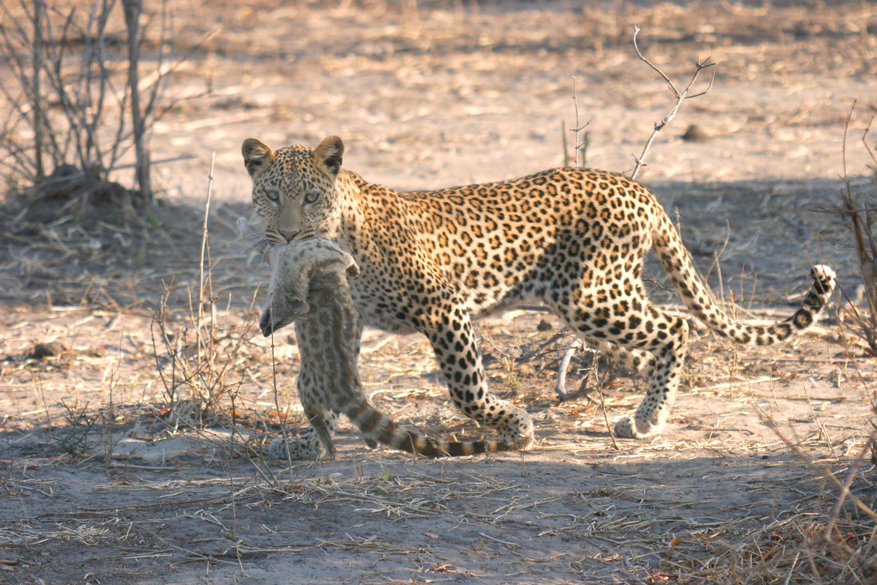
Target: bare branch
[38, 15]
[700, 66]
[579, 144]
[642, 57]
[680, 97]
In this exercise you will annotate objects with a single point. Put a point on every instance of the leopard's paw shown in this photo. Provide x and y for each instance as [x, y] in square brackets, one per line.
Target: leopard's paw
[629, 428]
[295, 449]
[514, 425]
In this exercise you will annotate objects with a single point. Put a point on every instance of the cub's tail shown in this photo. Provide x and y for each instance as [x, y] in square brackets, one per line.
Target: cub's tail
[377, 427]
[697, 297]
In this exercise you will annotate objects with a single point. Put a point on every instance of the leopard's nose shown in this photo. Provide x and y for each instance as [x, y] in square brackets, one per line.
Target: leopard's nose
[288, 235]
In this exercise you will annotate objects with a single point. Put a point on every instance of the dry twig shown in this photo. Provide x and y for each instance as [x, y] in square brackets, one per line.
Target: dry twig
[680, 97]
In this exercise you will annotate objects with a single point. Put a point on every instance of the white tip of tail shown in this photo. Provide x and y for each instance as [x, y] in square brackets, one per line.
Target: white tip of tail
[824, 270]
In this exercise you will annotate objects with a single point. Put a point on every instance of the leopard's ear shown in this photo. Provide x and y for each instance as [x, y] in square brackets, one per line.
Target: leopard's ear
[257, 155]
[329, 154]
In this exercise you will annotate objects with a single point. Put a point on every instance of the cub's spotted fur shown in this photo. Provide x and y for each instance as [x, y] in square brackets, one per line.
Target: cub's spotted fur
[573, 238]
[309, 286]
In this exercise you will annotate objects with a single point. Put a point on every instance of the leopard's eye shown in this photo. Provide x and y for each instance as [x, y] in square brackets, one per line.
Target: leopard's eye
[312, 197]
[272, 195]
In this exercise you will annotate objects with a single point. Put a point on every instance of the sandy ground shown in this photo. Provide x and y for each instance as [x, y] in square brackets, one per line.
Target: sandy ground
[102, 481]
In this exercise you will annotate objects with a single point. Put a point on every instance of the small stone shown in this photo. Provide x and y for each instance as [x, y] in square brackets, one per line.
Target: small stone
[44, 350]
[695, 134]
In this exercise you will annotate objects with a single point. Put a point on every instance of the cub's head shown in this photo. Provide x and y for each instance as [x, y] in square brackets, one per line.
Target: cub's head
[294, 188]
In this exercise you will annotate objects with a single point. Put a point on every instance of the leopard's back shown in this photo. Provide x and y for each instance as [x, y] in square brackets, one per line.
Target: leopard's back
[495, 245]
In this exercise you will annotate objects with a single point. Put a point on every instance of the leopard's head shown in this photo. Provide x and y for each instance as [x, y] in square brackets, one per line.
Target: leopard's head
[294, 189]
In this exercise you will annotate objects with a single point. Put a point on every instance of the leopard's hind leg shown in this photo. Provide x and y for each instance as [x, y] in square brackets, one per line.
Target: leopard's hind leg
[631, 337]
[316, 440]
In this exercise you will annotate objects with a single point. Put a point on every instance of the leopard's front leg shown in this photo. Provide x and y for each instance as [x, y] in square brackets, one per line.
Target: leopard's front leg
[457, 353]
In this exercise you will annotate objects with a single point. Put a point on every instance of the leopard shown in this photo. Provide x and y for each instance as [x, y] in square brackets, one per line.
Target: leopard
[573, 238]
[309, 286]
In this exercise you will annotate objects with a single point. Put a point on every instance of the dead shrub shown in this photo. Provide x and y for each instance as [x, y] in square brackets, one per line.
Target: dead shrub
[76, 103]
[858, 212]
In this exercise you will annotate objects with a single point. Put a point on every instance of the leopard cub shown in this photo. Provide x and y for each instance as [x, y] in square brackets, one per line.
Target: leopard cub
[309, 287]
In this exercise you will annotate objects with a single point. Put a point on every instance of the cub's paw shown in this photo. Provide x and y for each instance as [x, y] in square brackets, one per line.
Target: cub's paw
[625, 428]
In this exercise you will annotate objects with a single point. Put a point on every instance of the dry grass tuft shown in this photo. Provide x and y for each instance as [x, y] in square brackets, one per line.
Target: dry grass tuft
[194, 357]
[194, 375]
[831, 539]
[800, 549]
[197, 352]
[24, 536]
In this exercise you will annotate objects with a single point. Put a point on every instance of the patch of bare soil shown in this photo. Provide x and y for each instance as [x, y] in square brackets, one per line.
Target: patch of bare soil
[133, 407]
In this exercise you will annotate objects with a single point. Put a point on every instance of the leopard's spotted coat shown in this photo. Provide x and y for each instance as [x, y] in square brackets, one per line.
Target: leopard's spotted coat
[573, 238]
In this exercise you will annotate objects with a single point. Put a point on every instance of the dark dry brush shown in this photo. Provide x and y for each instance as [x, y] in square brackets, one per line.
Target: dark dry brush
[76, 105]
[858, 212]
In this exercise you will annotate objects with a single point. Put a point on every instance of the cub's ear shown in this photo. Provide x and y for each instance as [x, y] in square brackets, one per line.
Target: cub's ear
[329, 154]
[257, 155]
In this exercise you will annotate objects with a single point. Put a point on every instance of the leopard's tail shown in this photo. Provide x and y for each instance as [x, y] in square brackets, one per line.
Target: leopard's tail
[699, 300]
[377, 427]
